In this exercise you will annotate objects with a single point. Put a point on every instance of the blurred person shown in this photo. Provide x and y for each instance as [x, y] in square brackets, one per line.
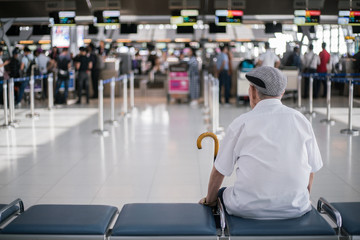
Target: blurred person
[269, 58]
[311, 61]
[294, 59]
[54, 53]
[64, 65]
[25, 70]
[102, 50]
[222, 72]
[95, 71]
[2, 73]
[274, 166]
[83, 65]
[42, 61]
[322, 68]
[194, 78]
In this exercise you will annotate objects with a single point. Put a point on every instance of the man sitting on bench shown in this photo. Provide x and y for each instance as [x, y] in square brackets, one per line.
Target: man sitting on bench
[274, 151]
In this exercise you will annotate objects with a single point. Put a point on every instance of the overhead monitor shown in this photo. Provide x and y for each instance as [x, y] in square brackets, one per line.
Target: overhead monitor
[40, 30]
[185, 30]
[184, 17]
[213, 28]
[128, 28]
[307, 17]
[273, 28]
[62, 18]
[108, 17]
[224, 17]
[92, 29]
[349, 18]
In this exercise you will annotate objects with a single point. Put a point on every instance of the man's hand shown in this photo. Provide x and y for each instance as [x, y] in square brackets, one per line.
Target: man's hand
[204, 202]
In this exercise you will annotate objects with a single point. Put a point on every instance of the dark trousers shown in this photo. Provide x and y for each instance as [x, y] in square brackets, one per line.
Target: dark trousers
[317, 86]
[1, 91]
[59, 81]
[44, 88]
[83, 80]
[224, 80]
[306, 85]
[21, 86]
[94, 80]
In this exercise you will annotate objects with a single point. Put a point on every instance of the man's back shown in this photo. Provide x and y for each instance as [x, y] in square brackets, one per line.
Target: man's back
[268, 58]
[274, 151]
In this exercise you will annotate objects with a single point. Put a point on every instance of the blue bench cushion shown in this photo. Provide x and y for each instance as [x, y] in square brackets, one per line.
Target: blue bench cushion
[8, 212]
[156, 219]
[63, 219]
[350, 213]
[309, 224]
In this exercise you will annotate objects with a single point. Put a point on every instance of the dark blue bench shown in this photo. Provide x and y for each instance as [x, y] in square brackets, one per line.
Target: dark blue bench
[347, 213]
[61, 222]
[310, 226]
[165, 221]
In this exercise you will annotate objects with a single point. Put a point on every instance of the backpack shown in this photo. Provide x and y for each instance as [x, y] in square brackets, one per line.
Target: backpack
[30, 66]
[290, 60]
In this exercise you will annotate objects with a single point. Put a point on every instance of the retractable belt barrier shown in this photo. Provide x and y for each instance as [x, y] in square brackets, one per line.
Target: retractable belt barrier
[123, 78]
[347, 78]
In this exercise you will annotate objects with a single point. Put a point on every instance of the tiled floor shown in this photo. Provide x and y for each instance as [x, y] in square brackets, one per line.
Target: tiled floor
[150, 157]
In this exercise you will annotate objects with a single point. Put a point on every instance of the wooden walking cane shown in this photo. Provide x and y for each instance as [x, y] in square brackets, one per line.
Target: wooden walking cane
[213, 136]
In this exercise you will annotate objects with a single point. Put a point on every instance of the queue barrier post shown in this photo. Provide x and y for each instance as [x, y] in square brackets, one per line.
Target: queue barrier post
[32, 114]
[299, 93]
[11, 93]
[112, 120]
[216, 105]
[50, 91]
[6, 124]
[101, 131]
[350, 130]
[206, 92]
[125, 103]
[328, 119]
[311, 97]
[132, 97]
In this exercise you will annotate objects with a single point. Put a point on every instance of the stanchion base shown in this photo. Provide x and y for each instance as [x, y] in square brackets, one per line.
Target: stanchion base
[33, 116]
[300, 109]
[353, 132]
[125, 114]
[312, 114]
[7, 127]
[102, 133]
[329, 122]
[15, 123]
[206, 110]
[112, 122]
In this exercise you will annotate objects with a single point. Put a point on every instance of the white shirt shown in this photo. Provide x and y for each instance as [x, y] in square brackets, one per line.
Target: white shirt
[273, 150]
[42, 61]
[2, 69]
[268, 58]
[26, 60]
[311, 60]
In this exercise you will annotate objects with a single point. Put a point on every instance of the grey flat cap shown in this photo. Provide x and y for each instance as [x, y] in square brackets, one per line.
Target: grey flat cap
[268, 80]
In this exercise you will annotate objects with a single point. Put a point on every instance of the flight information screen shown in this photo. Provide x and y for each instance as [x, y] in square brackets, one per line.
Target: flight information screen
[184, 17]
[66, 18]
[307, 17]
[349, 18]
[224, 17]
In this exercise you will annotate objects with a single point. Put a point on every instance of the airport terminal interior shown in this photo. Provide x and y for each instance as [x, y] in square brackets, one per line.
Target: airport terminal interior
[102, 103]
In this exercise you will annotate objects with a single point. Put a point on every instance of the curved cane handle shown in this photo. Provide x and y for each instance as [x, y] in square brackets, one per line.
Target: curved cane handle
[213, 136]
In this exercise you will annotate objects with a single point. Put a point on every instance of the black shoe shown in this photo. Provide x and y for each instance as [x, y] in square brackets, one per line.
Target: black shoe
[78, 102]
